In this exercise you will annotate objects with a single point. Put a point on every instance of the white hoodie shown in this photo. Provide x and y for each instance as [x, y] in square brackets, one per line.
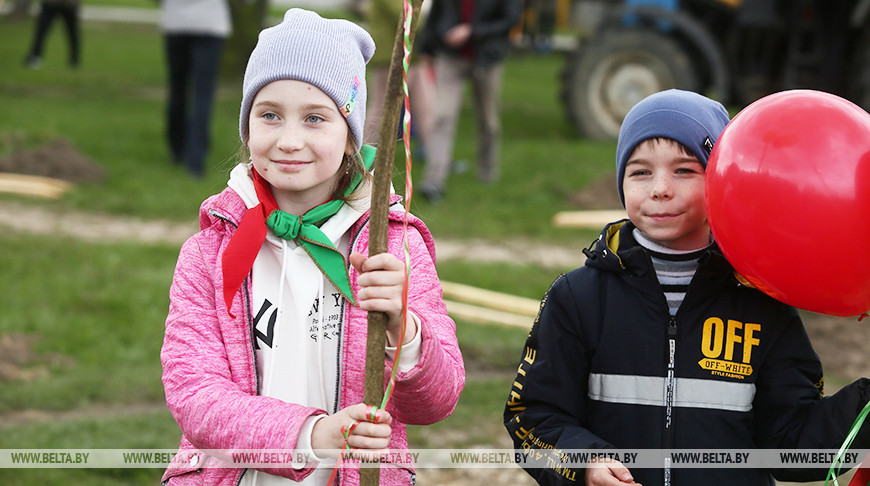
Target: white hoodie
[304, 295]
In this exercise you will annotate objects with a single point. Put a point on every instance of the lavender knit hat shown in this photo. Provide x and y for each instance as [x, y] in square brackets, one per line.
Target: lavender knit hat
[328, 53]
[689, 118]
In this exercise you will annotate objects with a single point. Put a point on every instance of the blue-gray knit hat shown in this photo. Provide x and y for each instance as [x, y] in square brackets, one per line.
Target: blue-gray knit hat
[328, 53]
[691, 119]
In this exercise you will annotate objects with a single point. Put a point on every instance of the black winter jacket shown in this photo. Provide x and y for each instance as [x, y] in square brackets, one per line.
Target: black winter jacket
[595, 371]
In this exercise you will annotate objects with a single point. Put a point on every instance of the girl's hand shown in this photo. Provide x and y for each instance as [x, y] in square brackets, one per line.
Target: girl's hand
[369, 437]
[607, 472]
[381, 278]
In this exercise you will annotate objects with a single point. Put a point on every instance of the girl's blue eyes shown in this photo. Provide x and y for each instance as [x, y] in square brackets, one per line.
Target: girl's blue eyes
[313, 119]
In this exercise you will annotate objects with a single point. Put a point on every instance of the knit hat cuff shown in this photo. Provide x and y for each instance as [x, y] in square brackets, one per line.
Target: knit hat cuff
[687, 118]
[328, 53]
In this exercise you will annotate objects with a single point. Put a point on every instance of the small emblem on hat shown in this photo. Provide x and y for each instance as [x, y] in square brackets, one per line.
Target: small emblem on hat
[708, 145]
[347, 109]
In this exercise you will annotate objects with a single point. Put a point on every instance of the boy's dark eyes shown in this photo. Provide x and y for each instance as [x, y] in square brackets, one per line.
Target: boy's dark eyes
[689, 170]
[646, 172]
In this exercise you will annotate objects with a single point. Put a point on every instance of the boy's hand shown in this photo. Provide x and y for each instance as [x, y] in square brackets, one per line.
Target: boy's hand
[605, 472]
[381, 277]
[370, 438]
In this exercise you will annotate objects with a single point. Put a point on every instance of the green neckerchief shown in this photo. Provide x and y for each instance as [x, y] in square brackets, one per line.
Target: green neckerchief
[305, 232]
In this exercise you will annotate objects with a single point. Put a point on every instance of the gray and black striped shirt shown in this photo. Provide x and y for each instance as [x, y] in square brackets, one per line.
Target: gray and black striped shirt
[674, 268]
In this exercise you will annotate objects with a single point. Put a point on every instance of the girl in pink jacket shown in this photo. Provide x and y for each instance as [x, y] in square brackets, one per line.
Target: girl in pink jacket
[265, 338]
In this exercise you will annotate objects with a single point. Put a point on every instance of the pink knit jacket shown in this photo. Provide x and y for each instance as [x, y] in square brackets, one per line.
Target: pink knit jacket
[210, 376]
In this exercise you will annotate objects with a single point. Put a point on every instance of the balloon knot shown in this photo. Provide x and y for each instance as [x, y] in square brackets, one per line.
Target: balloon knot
[862, 316]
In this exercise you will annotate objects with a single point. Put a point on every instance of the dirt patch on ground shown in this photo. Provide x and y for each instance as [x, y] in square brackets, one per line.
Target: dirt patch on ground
[93, 227]
[58, 159]
[841, 343]
[16, 357]
[18, 362]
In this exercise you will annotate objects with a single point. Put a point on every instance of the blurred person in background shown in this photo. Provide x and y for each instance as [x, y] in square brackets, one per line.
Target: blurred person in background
[68, 10]
[195, 31]
[468, 39]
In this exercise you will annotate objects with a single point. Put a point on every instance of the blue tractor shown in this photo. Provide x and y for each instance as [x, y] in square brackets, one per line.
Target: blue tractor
[733, 50]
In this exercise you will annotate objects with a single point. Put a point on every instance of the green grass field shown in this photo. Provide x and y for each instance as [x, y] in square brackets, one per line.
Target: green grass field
[88, 318]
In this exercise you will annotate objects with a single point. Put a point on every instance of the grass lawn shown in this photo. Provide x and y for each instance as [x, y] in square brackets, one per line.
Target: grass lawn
[86, 320]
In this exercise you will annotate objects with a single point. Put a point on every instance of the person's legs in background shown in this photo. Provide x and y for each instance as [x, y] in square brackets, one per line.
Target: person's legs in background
[450, 75]
[487, 96]
[70, 16]
[205, 58]
[43, 25]
[421, 85]
[177, 59]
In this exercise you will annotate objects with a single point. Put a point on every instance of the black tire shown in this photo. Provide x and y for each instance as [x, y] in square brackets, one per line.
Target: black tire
[607, 75]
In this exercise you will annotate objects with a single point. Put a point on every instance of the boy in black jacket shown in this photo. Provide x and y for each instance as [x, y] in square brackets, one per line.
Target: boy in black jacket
[657, 344]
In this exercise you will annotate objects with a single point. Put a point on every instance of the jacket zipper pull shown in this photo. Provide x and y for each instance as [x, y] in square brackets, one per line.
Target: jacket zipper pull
[670, 396]
[672, 341]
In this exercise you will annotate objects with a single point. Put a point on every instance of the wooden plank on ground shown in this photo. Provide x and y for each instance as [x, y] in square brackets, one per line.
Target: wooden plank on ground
[489, 298]
[30, 185]
[483, 315]
[588, 219]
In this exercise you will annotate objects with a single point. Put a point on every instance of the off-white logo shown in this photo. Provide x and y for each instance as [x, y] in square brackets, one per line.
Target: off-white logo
[721, 338]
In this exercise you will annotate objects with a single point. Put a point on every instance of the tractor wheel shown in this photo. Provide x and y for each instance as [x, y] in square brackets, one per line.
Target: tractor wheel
[607, 75]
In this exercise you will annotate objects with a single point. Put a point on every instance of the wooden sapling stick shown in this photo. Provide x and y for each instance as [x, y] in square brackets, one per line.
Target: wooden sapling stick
[373, 393]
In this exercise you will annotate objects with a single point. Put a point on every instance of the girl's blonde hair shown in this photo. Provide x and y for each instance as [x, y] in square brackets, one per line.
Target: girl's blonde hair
[351, 167]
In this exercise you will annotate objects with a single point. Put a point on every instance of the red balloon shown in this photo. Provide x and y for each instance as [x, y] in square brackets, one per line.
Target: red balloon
[788, 200]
